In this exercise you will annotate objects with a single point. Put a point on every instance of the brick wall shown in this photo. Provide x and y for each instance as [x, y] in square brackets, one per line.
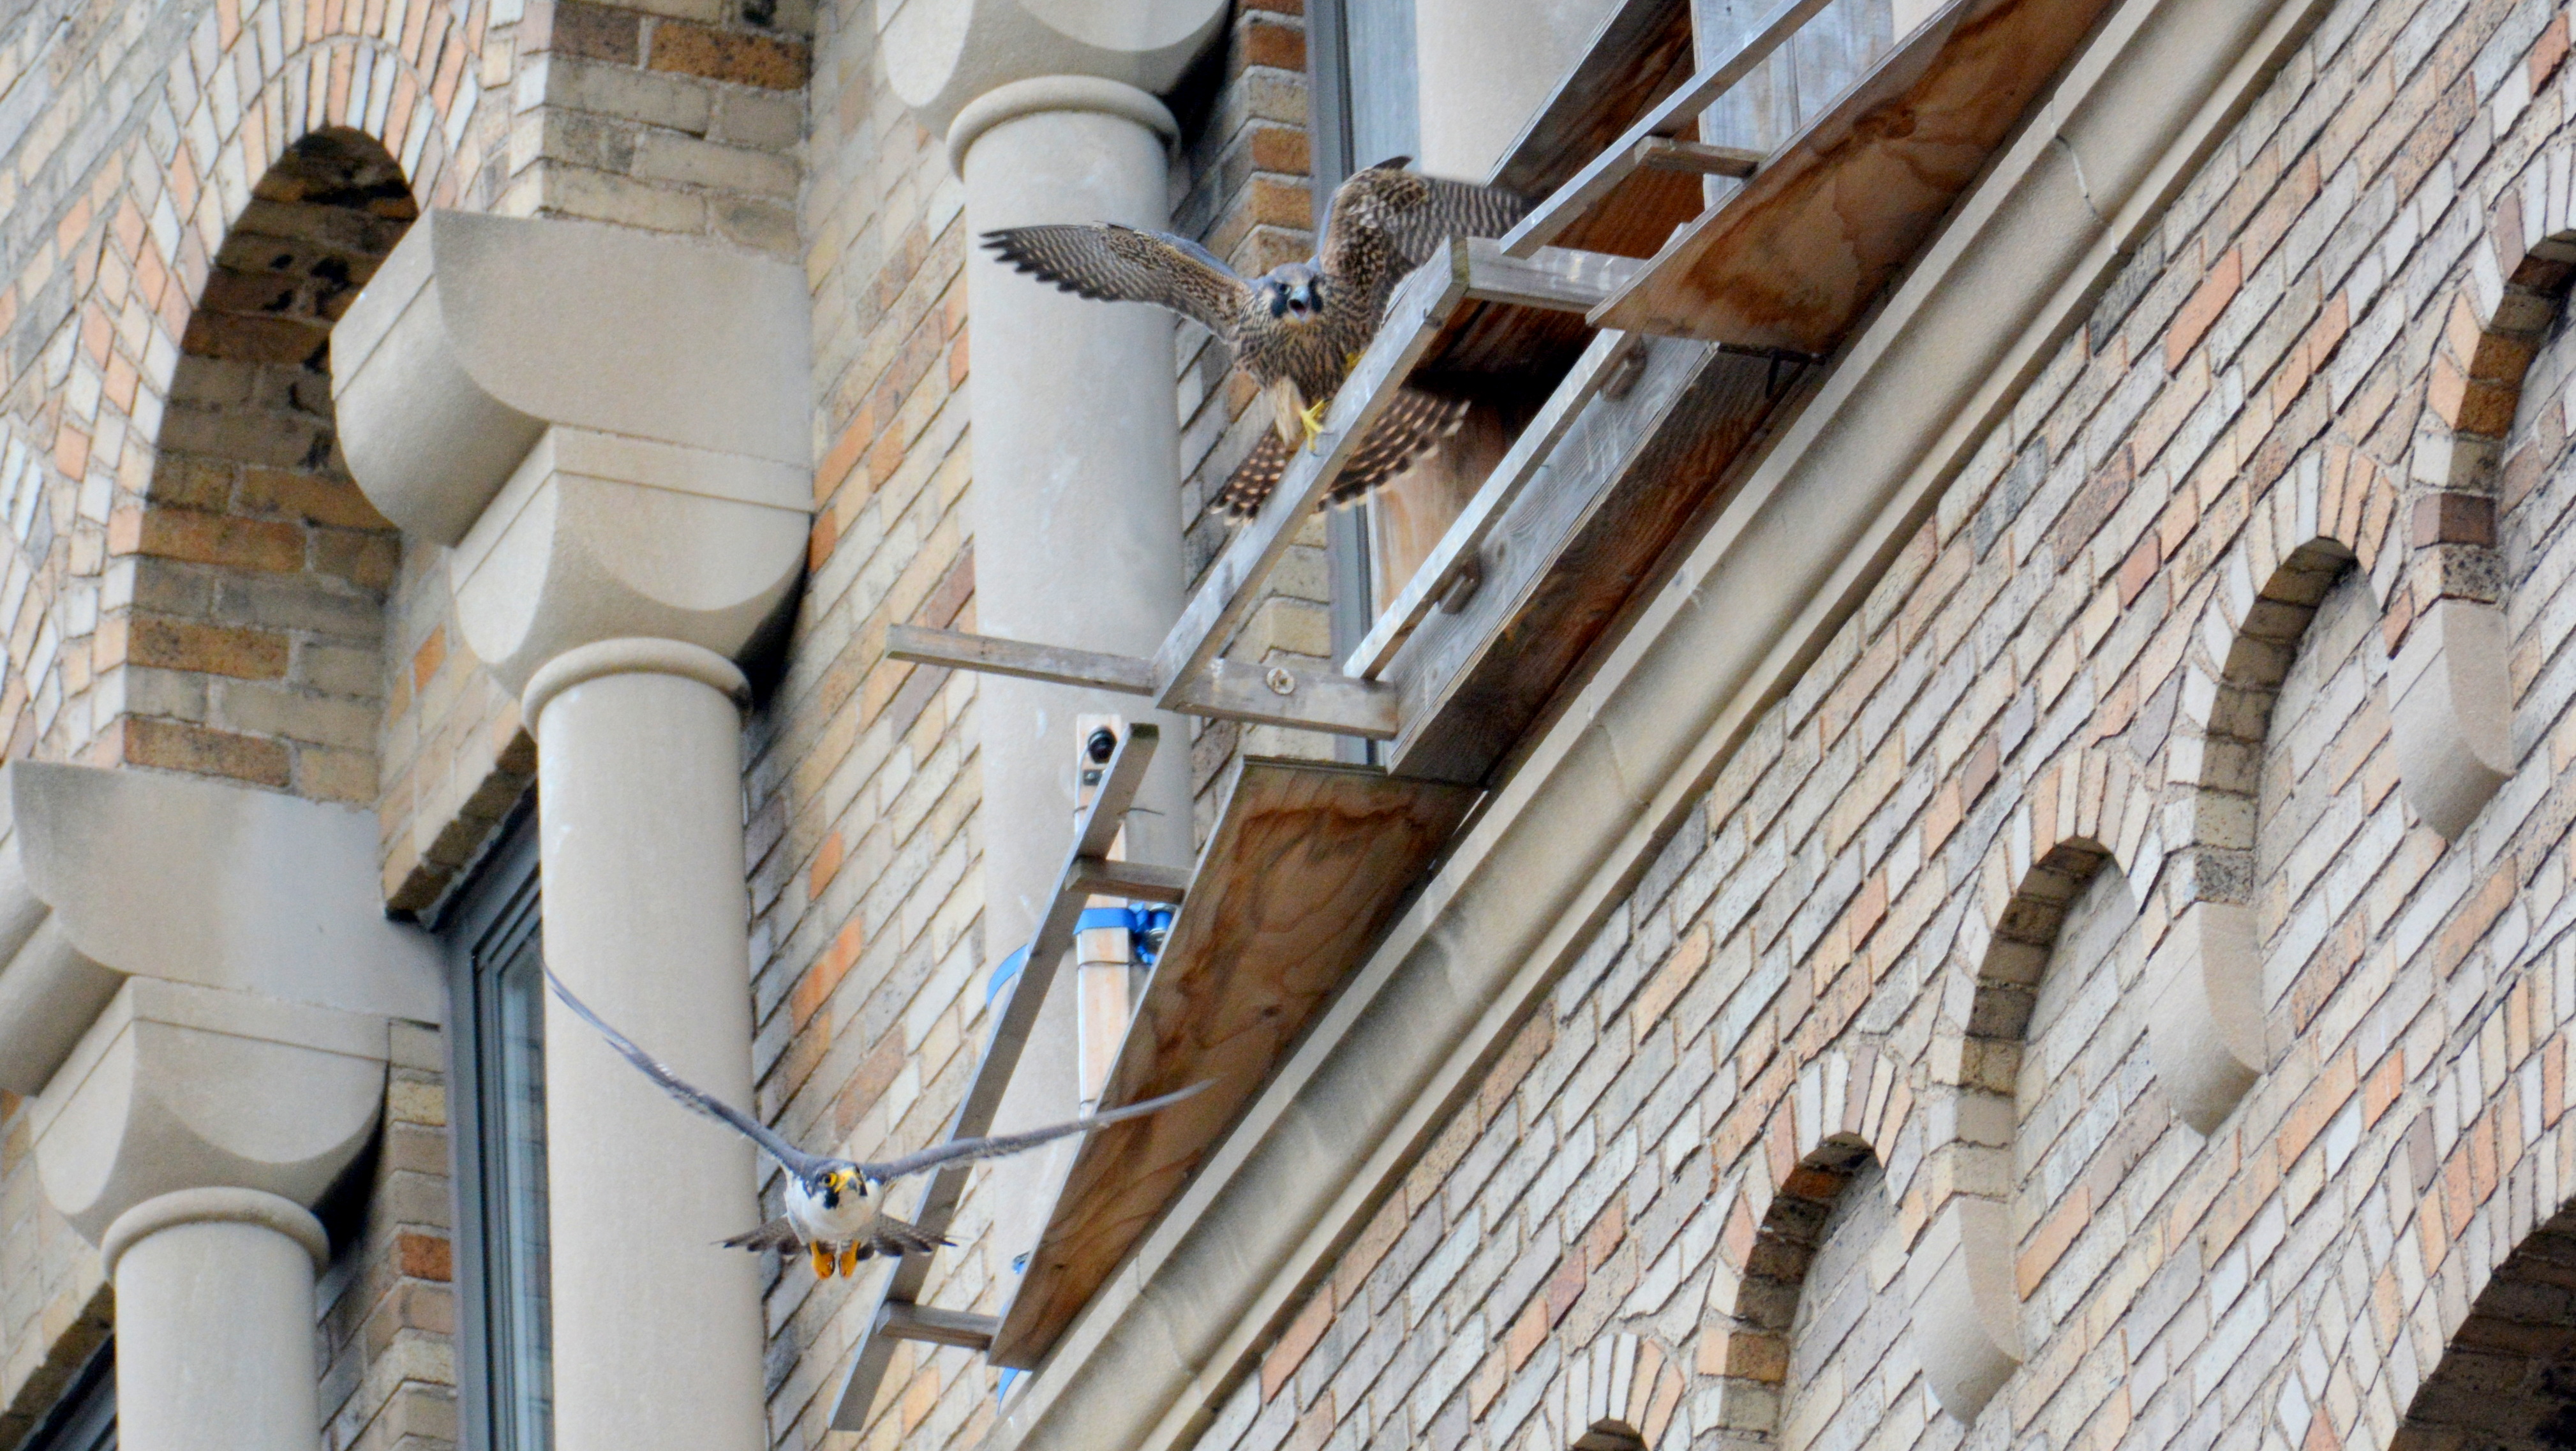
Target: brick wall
[388, 1322]
[2162, 596]
[669, 115]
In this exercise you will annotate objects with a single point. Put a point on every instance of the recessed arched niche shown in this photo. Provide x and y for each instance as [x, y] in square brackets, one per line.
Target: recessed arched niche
[256, 617]
[2324, 817]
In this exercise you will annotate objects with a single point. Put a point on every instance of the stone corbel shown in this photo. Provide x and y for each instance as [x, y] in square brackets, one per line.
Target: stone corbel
[177, 1087]
[111, 875]
[2451, 712]
[2205, 1032]
[942, 59]
[1966, 1316]
[610, 427]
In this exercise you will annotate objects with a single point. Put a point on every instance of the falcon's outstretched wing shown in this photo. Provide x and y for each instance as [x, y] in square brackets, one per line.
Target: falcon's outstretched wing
[1106, 262]
[1411, 215]
[998, 1145]
[795, 1160]
[1408, 429]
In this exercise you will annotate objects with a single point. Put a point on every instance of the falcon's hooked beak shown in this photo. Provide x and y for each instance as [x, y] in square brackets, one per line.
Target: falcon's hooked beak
[843, 1181]
[1297, 301]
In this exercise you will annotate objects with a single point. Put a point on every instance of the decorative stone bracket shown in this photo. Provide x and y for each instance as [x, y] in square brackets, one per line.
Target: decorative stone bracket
[945, 59]
[111, 875]
[610, 427]
[178, 1087]
[195, 985]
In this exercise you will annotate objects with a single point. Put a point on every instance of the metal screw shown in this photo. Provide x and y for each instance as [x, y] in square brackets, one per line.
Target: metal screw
[1281, 681]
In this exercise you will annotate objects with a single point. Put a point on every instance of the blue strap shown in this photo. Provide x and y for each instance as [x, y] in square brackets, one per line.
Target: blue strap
[1005, 973]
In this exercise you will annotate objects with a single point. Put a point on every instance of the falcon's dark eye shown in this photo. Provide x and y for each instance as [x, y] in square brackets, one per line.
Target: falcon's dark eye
[1278, 302]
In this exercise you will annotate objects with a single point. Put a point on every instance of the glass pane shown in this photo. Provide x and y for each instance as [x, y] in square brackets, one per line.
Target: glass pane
[515, 1135]
[1385, 119]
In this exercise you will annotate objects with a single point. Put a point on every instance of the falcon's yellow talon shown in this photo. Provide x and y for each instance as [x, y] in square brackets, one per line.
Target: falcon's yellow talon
[850, 1259]
[822, 1254]
[1313, 419]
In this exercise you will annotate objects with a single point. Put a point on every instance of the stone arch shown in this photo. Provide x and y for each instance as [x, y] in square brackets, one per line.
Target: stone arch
[2506, 1378]
[255, 636]
[2450, 685]
[1620, 1395]
[1827, 1130]
[242, 624]
[2086, 812]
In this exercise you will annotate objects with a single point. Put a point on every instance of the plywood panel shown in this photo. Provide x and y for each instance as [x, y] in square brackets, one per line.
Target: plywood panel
[1792, 260]
[1307, 865]
[1571, 551]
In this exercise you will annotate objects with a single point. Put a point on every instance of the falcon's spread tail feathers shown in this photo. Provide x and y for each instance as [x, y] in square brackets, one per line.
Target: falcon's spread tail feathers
[1414, 423]
[888, 1236]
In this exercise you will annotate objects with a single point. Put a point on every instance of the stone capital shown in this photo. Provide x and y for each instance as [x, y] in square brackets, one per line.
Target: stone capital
[943, 58]
[112, 876]
[610, 428]
[177, 1087]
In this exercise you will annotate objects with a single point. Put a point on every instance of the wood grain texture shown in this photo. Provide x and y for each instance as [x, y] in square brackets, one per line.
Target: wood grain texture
[1639, 56]
[1793, 259]
[1307, 865]
[1570, 551]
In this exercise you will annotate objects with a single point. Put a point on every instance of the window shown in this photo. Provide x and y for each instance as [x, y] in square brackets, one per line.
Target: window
[497, 1099]
[85, 1418]
[1361, 77]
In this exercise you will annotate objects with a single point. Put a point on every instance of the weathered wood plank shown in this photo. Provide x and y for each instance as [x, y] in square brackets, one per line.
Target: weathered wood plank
[1669, 117]
[898, 1320]
[1610, 356]
[1140, 881]
[1225, 690]
[1310, 700]
[1306, 866]
[1664, 154]
[1793, 259]
[1231, 589]
[1556, 279]
[1640, 52]
[991, 655]
[1569, 555]
[1088, 859]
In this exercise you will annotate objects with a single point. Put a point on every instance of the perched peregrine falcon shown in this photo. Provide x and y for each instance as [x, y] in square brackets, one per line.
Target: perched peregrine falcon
[828, 1213]
[1297, 329]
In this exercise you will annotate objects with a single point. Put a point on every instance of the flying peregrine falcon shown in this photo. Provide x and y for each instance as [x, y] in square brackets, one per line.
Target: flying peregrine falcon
[1297, 329]
[828, 1212]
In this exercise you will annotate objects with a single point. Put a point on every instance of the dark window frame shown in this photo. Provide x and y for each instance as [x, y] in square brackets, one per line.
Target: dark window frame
[1331, 146]
[83, 1417]
[496, 916]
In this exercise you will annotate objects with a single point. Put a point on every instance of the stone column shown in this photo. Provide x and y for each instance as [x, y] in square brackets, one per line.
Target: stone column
[640, 831]
[1051, 116]
[1485, 67]
[610, 429]
[214, 1321]
[197, 987]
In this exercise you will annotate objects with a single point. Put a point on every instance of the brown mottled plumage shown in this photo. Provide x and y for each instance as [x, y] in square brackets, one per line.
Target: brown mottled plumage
[1296, 329]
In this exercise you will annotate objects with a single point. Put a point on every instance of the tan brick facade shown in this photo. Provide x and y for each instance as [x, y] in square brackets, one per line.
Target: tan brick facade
[2144, 642]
